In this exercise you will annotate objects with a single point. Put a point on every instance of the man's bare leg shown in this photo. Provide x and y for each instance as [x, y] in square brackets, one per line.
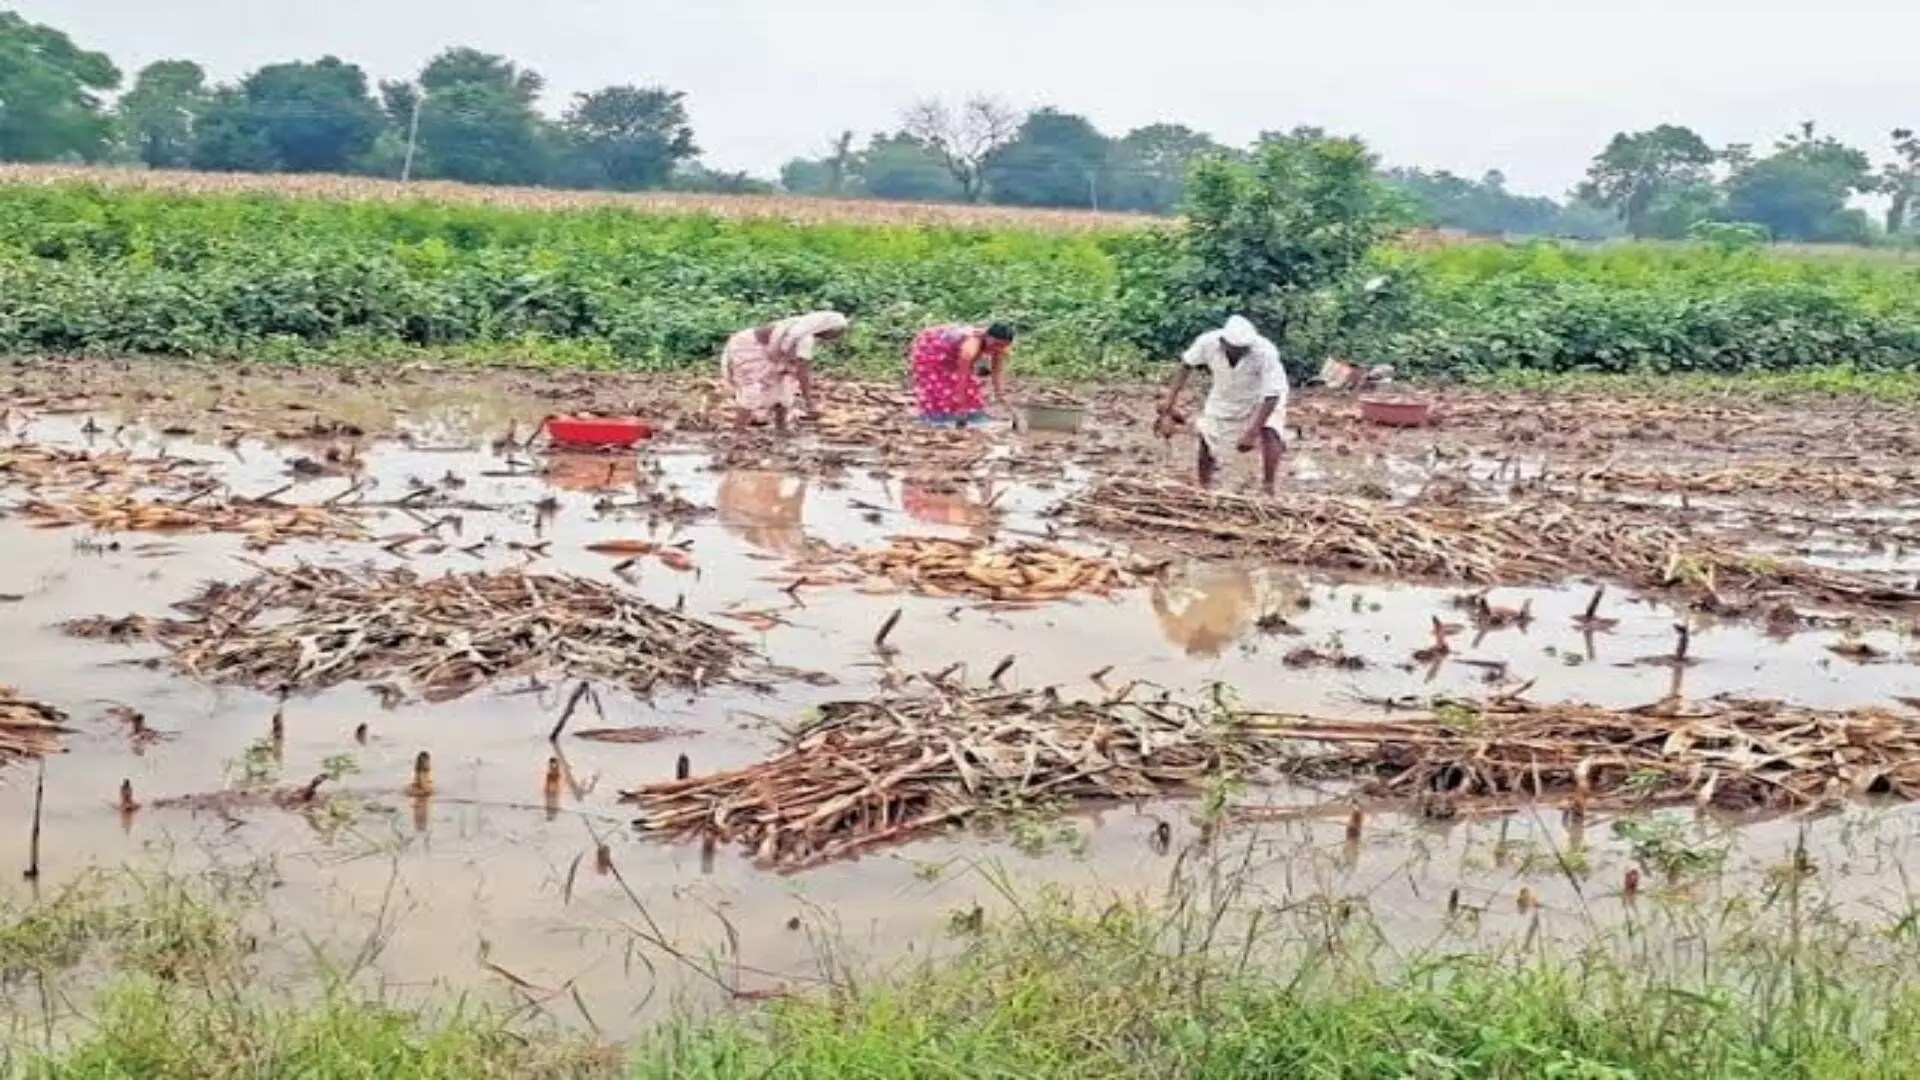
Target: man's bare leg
[1271, 449]
[1209, 468]
[780, 419]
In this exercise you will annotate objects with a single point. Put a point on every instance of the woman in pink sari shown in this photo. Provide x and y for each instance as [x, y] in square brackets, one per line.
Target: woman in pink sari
[946, 362]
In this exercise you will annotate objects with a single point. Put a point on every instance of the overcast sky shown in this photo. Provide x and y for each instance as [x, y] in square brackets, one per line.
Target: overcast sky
[1533, 89]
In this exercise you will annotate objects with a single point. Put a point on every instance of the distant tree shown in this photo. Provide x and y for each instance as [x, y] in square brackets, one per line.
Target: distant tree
[478, 120]
[1299, 135]
[398, 97]
[1636, 171]
[292, 117]
[806, 176]
[629, 137]
[842, 165]
[1150, 166]
[158, 117]
[1900, 179]
[1684, 205]
[50, 94]
[963, 139]
[836, 174]
[228, 138]
[1481, 206]
[1582, 220]
[902, 167]
[1055, 159]
[1801, 190]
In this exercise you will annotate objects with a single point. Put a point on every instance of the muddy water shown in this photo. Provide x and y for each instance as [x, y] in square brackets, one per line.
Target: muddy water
[485, 863]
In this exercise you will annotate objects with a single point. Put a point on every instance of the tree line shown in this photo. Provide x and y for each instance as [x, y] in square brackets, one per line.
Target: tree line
[1669, 182]
[468, 116]
[984, 151]
[475, 117]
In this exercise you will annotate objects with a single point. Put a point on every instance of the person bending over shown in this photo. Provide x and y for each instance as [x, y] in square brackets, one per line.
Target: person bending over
[1246, 405]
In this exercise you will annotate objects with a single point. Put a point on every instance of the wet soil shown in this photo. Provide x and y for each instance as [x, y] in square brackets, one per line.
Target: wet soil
[487, 859]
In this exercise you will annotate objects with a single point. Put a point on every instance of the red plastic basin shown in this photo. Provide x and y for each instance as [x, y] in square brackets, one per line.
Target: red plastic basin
[1396, 413]
[596, 430]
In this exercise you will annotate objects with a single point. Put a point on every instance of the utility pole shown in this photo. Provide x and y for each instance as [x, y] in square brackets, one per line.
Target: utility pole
[413, 134]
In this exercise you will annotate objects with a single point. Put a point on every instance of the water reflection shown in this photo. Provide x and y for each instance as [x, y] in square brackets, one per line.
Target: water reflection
[933, 504]
[765, 509]
[1204, 608]
[593, 472]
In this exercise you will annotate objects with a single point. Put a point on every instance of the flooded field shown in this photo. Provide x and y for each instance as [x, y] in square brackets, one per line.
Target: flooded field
[519, 872]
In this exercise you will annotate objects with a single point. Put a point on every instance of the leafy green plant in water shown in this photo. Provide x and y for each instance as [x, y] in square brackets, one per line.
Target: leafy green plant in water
[1670, 845]
[258, 764]
[1217, 796]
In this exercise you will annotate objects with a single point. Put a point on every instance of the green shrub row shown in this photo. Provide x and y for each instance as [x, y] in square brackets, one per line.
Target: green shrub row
[102, 270]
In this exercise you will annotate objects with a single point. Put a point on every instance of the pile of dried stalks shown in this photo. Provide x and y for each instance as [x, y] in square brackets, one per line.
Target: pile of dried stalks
[306, 628]
[1514, 544]
[863, 773]
[1806, 482]
[1731, 754]
[1023, 573]
[28, 729]
[872, 772]
[264, 524]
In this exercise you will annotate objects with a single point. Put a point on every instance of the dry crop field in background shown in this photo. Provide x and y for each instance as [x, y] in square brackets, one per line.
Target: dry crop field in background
[783, 207]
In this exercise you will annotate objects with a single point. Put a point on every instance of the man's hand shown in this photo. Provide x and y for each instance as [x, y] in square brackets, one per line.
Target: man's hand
[1248, 441]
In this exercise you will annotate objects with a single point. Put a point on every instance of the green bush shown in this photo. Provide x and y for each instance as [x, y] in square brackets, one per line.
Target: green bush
[1645, 307]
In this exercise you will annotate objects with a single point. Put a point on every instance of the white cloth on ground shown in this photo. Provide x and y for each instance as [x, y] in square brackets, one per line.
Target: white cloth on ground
[1238, 389]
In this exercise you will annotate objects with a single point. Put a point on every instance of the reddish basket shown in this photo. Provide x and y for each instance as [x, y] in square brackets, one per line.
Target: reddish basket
[596, 431]
[1396, 413]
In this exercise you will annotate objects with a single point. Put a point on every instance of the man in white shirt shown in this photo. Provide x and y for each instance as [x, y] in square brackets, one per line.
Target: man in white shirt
[1246, 404]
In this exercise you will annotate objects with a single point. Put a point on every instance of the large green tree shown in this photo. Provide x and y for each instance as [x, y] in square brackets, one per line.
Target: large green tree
[50, 94]
[628, 137]
[1056, 159]
[160, 115]
[1801, 190]
[1150, 166]
[902, 167]
[478, 120]
[1638, 170]
[301, 116]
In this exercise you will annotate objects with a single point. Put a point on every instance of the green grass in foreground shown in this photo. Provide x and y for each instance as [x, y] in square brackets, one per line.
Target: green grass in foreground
[1203, 988]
